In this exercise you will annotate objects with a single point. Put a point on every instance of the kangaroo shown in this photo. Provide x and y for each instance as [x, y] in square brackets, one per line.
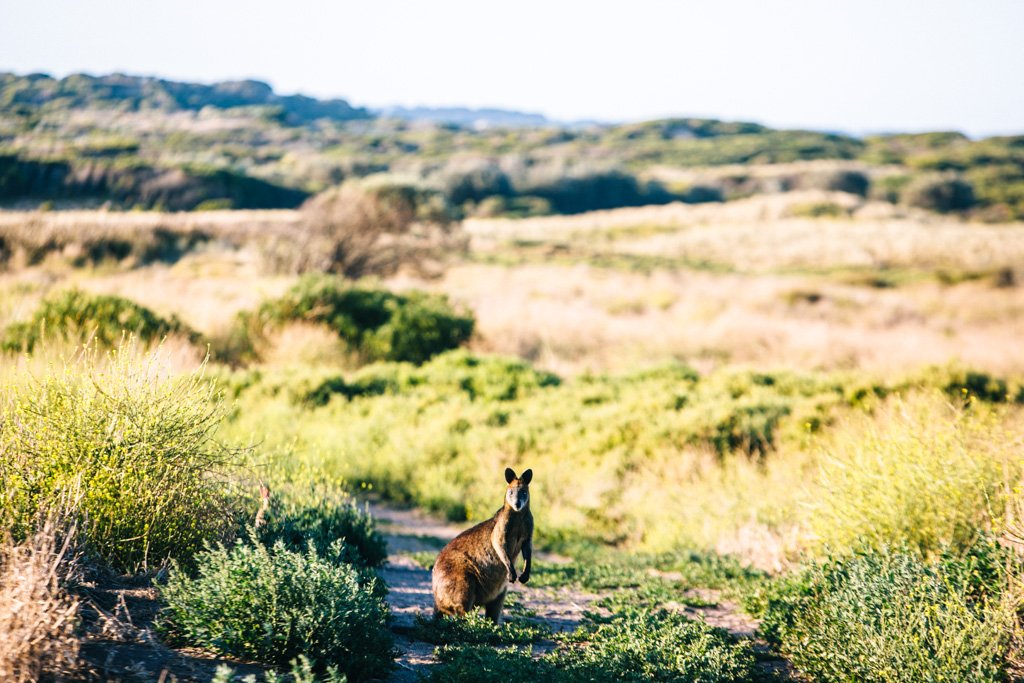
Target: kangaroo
[477, 566]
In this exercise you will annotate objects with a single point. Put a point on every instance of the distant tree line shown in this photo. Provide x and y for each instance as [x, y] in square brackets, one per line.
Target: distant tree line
[141, 186]
[21, 94]
[267, 150]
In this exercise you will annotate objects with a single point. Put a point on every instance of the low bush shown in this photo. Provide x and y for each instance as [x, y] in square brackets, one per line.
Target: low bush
[962, 384]
[484, 664]
[818, 210]
[636, 646]
[849, 181]
[435, 436]
[665, 458]
[942, 193]
[137, 444]
[645, 645]
[476, 629]
[105, 320]
[580, 190]
[888, 188]
[301, 671]
[361, 229]
[481, 379]
[273, 604]
[889, 616]
[376, 324]
[473, 181]
[320, 519]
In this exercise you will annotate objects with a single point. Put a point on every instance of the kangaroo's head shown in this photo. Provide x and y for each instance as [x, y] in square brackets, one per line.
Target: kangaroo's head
[517, 495]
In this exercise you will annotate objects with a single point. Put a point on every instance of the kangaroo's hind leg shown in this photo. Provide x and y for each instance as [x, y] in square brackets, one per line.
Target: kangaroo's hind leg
[453, 595]
[493, 608]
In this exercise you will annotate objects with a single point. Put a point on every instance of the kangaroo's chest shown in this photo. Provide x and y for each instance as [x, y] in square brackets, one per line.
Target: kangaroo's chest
[514, 538]
[513, 546]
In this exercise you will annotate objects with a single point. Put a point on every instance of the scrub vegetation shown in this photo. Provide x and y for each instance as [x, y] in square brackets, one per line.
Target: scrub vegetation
[769, 383]
[156, 144]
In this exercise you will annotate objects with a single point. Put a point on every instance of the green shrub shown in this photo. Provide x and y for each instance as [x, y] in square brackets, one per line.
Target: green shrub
[618, 450]
[514, 207]
[320, 519]
[435, 435]
[74, 315]
[962, 384]
[483, 664]
[849, 181]
[419, 327]
[885, 616]
[818, 210]
[135, 445]
[940, 193]
[658, 645]
[476, 629]
[302, 671]
[478, 378]
[580, 190]
[888, 188]
[275, 604]
[375, 323]
[638, 646]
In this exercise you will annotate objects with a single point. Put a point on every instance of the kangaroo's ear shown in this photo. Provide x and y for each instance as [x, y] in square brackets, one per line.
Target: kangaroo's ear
[526, 477]
[510, 474]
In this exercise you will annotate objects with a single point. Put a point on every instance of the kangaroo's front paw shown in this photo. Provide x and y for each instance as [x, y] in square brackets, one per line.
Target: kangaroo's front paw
[511, 575]
[524, 577]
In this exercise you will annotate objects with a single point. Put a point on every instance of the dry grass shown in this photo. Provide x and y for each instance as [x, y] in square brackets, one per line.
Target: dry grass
[305, 344]
[573, 319]
[884, 290]
[760, 235]
[30, 237]
[269, 242]
[738, 282]
[37, 616]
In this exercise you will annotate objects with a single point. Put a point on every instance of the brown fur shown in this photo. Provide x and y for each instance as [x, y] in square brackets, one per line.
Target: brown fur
[474, 570]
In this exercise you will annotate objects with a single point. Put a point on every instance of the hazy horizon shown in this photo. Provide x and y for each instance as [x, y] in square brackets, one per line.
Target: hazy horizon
[869, 67]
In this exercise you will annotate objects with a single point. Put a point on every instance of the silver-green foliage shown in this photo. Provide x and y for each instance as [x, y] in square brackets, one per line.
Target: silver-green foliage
[321, 516]
[654, 645]
[302, 671]
[633, 646]
[892, 617]
[273, 604]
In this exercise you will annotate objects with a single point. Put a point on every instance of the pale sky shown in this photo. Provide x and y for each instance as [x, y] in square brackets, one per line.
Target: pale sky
[858, 66]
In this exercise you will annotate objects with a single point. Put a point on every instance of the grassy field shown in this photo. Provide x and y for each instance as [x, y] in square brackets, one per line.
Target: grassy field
[802, 410]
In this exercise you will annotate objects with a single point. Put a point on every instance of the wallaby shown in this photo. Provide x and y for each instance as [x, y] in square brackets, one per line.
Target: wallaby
[261, 514]
[477, 566]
